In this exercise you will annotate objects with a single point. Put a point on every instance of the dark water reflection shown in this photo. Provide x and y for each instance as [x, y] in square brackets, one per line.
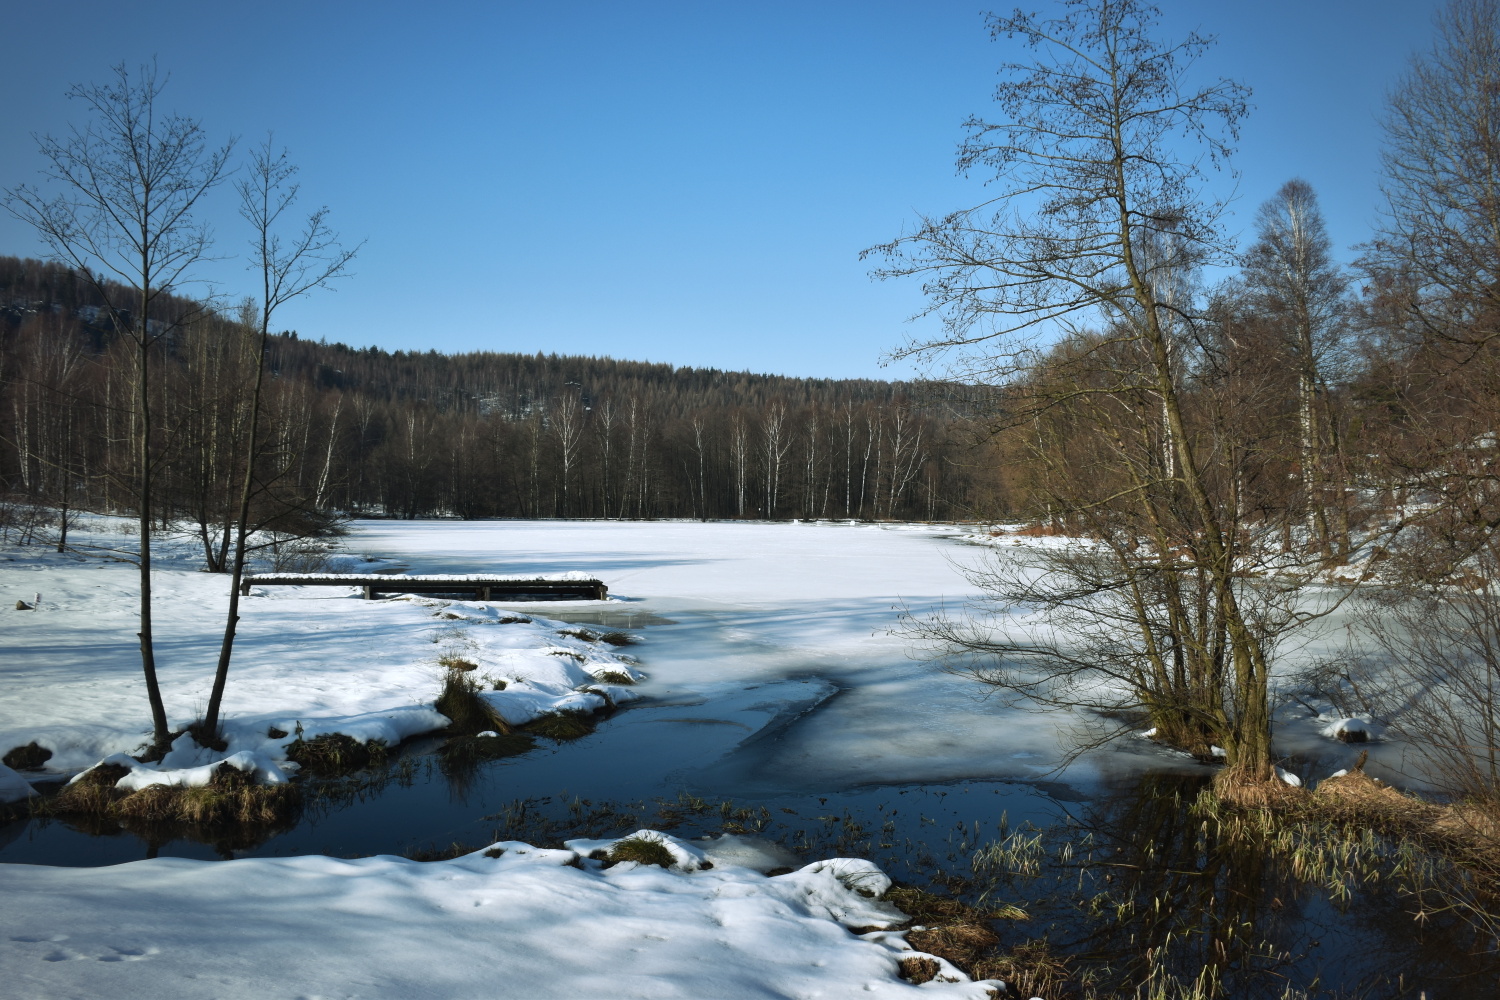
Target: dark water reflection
[1127, 879]
[1123, 875]
[1142, 884]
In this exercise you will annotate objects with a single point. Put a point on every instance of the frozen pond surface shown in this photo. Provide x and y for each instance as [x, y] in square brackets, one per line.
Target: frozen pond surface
[773, 678]
[794, 622]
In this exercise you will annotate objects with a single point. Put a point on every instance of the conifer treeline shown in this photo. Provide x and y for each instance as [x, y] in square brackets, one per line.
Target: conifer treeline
[365, 431]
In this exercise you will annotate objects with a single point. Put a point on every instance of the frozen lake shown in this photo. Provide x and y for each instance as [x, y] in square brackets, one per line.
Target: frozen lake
[789, 621]
[773, 676]
[773, 679]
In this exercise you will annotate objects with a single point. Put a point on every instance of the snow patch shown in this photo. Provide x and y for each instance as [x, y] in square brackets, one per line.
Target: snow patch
[13, 787]
[527, 922]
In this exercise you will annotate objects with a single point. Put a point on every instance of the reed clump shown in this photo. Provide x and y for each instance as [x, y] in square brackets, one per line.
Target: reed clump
[334, 754]
[562, 726]
[641, 851]
[231, 798]
[918, 969]
[467, 711]
[92, 793]
[465, 749]
[30, 757]
[1030, 968]
[614, 677]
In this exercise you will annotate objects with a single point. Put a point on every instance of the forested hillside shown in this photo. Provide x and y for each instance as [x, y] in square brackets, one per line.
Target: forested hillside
[365, 431]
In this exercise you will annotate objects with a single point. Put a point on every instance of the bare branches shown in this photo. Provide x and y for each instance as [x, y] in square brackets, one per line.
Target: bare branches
[127, 184]
[1086, 161]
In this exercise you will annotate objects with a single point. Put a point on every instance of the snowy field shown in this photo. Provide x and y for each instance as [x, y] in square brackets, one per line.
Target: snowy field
[528, 923]
[770, 623]
[767, 668]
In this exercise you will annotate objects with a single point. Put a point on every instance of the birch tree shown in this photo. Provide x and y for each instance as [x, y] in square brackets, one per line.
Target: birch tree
[288, 267]
[1295, 282]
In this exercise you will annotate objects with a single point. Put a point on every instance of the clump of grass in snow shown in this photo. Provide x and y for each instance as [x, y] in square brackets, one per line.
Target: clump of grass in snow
[467, 712]
[476, 749]
[958, 932]
[453, 850]
[93, 793]
[230, 798]
[614, 677]
[929, 908]
[333, 754]
[641, 851]
[562, 726]
[961, 944]
[453, 662]
[1030, 968]
[31, 757]
[918, 969]
[618, 638]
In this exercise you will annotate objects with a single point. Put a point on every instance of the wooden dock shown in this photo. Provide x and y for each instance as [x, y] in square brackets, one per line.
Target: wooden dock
[467, 586]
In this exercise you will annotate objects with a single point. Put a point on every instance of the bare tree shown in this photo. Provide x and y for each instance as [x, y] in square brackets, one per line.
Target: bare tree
[129, 182]
[288, 268]
[1100, 218]
[775, 443]
[567, 428]
[1441, 233]
[1294, 280]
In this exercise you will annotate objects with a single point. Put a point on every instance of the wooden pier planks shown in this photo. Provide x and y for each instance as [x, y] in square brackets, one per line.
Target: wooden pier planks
[482, 587]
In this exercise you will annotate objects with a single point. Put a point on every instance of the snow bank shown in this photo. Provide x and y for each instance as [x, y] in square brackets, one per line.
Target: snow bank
[1335, 726]
[572, 576]
[526, 923]
[308, 661]
[259, 766]
[13, 787]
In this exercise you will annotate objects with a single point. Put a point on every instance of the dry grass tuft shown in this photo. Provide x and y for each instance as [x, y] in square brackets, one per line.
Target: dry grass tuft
[1358, 798]
[929, 908]
[453, 850]
[562, 726]
[464, 749]
[468, 713]
[918, 969]
[1241, 792]
[1037, 531]
[614, 677]
[231, 798]
[1031, 969]
[641, 851]
[618, 638]
[334, 754]
[31, 757]
[961, 944]
[960, 933]
[452, 662]
[92, 794]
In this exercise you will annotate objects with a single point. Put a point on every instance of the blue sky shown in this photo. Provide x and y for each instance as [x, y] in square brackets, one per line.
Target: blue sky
[688, 183]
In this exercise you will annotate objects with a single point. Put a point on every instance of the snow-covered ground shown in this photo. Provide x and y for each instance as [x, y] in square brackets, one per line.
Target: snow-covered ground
[773, 609]
[525, 924]
[768, 647]
[308, 660]
[801, 613]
